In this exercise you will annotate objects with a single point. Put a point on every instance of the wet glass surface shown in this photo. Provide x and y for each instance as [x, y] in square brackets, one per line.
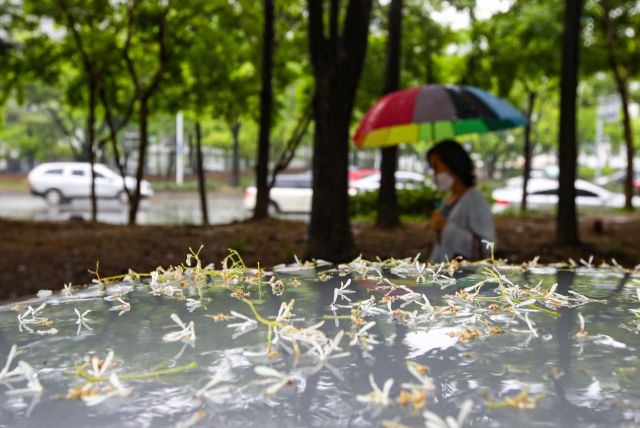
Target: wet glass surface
[572, 380]
[163, 208]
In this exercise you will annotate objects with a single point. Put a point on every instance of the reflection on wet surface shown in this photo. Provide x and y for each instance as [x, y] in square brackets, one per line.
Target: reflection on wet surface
[473, 348]
[163, 208]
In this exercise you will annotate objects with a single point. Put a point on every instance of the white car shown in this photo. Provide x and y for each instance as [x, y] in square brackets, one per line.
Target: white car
[291, 193]
[60, 182]
[542, 193]
[404, 180]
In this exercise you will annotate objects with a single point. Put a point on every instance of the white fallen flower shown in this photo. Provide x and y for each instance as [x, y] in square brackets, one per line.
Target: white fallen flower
[154, 278]
[67, 290]
[217, 395]
[244, 325]
[435, 275]
[342, 291]
[51, 331]
[533, 331]
[114, 389]
[362, 335]
[435, 421]
[187, 332]
[44, 293]
[425, 381]
[95, 363]
[5, 373]
[81, 318]
[426, 305]
[284, 314]
[421, 269]
[117, 293]
[323, 353]
[192, 304]
[123, 307]
[33, 384]
[280, 380]
[377, 396]
[515, 305]
[34, 314]
[587, 264]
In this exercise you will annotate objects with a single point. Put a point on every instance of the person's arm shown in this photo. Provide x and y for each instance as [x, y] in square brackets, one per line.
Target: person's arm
[460, 241]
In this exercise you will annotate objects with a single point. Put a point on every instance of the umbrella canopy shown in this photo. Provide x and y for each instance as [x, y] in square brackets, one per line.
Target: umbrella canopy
[432, 113]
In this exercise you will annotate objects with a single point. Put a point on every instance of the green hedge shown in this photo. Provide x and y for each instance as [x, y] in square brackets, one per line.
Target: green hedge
[415, 203]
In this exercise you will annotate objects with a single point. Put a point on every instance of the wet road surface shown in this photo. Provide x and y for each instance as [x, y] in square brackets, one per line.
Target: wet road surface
[162, 208]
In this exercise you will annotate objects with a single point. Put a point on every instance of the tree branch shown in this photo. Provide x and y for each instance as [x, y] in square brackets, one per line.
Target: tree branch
[76, 35]
[316, 33]
[127, 46]
[334, 15]
[355, 36]
[292, 145]
[163, 55]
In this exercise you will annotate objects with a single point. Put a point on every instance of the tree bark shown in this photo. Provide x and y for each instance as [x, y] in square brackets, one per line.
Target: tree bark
[266, 105]
[202, 185]
[628, 136]
[388, 212]
[528, 151]
[430, 77]
[567, 221]
[621, 82]
[337, 64]
[192, 154]
[292, 145]
[142, 150]
[91, 131]
[235, 161]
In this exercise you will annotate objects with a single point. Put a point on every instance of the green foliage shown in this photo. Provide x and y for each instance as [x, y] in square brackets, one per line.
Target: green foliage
[586, 173]
[416, 203]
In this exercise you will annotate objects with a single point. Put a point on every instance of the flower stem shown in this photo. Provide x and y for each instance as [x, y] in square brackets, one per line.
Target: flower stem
[137, 376]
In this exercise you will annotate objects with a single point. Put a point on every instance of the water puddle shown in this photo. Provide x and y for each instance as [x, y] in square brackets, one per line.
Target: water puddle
[363, 344]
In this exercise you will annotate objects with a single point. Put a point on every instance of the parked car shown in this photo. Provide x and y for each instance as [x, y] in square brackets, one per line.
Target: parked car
[291, 193]
[60, 182]
[618, 177]
[358, 174]
[543, 194]
[404, 179]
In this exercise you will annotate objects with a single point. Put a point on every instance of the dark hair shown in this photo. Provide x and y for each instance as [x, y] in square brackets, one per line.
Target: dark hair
[456, 158]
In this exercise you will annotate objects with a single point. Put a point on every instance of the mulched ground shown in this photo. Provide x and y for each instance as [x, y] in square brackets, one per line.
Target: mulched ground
[45, 255]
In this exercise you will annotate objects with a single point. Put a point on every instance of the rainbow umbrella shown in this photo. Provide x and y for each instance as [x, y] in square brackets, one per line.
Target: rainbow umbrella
[433, 113]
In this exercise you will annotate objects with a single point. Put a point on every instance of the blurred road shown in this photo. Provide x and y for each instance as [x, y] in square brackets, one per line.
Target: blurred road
[162, 208]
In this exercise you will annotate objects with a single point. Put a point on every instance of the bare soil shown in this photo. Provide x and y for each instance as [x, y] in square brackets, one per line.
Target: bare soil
[45, 255]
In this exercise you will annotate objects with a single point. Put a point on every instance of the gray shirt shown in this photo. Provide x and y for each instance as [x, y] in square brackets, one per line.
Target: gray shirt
[469, 222]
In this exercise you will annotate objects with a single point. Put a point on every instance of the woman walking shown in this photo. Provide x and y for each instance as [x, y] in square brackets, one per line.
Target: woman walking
[464, 220]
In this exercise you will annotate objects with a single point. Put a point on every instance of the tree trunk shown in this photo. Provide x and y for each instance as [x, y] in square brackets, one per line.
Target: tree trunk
[388, 213]
[266, 104]
[621, 81]
[202, 185]
[337, 63]
[170, 162]
[235, 161]
[567, 221]
[528, 151]
[91, 128]
[430, 77]
[192, 154]
[628, 136]
[142, 150]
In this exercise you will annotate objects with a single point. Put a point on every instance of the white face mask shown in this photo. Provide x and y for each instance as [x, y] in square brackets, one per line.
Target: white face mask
[444, 181]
